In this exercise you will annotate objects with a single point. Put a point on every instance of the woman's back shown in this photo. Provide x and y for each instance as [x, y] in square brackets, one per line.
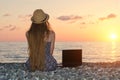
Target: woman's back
[50, 62]
[41, 41]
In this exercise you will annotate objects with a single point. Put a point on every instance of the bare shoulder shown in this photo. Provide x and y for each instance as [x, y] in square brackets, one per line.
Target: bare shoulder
[52, 33]
[52, 36]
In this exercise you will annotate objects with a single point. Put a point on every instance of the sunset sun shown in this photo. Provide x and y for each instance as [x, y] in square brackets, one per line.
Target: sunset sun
[113, 36]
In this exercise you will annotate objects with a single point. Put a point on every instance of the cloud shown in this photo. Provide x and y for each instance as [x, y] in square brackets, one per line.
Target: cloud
[83, 23]
[110, 16]
[102, 18]
[13, 28]
[25, 17]
[1, 29]
[9, 27]
[7, 14]
[84, 20]
[68, 18]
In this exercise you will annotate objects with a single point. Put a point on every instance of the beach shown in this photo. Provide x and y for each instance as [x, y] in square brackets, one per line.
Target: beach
[87, 71]
[98, 62]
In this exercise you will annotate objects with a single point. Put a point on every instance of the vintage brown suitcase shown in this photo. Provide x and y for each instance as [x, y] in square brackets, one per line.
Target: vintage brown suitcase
[71, 57]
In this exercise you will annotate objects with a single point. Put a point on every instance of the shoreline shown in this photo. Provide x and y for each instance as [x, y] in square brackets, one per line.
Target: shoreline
[87, 71]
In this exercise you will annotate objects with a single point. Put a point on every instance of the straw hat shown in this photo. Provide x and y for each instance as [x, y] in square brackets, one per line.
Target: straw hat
[39, 16]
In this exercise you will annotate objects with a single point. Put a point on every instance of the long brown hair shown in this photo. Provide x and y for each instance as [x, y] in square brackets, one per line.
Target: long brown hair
[36, 45]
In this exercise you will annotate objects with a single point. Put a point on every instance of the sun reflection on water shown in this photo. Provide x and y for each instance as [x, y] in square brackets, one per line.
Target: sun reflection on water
[113, 51]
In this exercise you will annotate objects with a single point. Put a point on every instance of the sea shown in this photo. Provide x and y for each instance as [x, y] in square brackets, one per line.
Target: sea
[16, 52]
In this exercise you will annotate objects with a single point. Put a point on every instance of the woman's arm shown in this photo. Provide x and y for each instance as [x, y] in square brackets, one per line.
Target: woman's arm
[52, 42]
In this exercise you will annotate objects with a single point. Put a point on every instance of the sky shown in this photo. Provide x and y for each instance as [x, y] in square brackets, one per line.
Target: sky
[72, 20]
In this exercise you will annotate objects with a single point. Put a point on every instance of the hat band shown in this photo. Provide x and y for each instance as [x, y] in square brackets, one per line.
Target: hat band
[44, 19]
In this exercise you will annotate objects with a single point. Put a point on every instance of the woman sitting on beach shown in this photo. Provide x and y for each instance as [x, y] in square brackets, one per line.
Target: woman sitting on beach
[41, 41]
